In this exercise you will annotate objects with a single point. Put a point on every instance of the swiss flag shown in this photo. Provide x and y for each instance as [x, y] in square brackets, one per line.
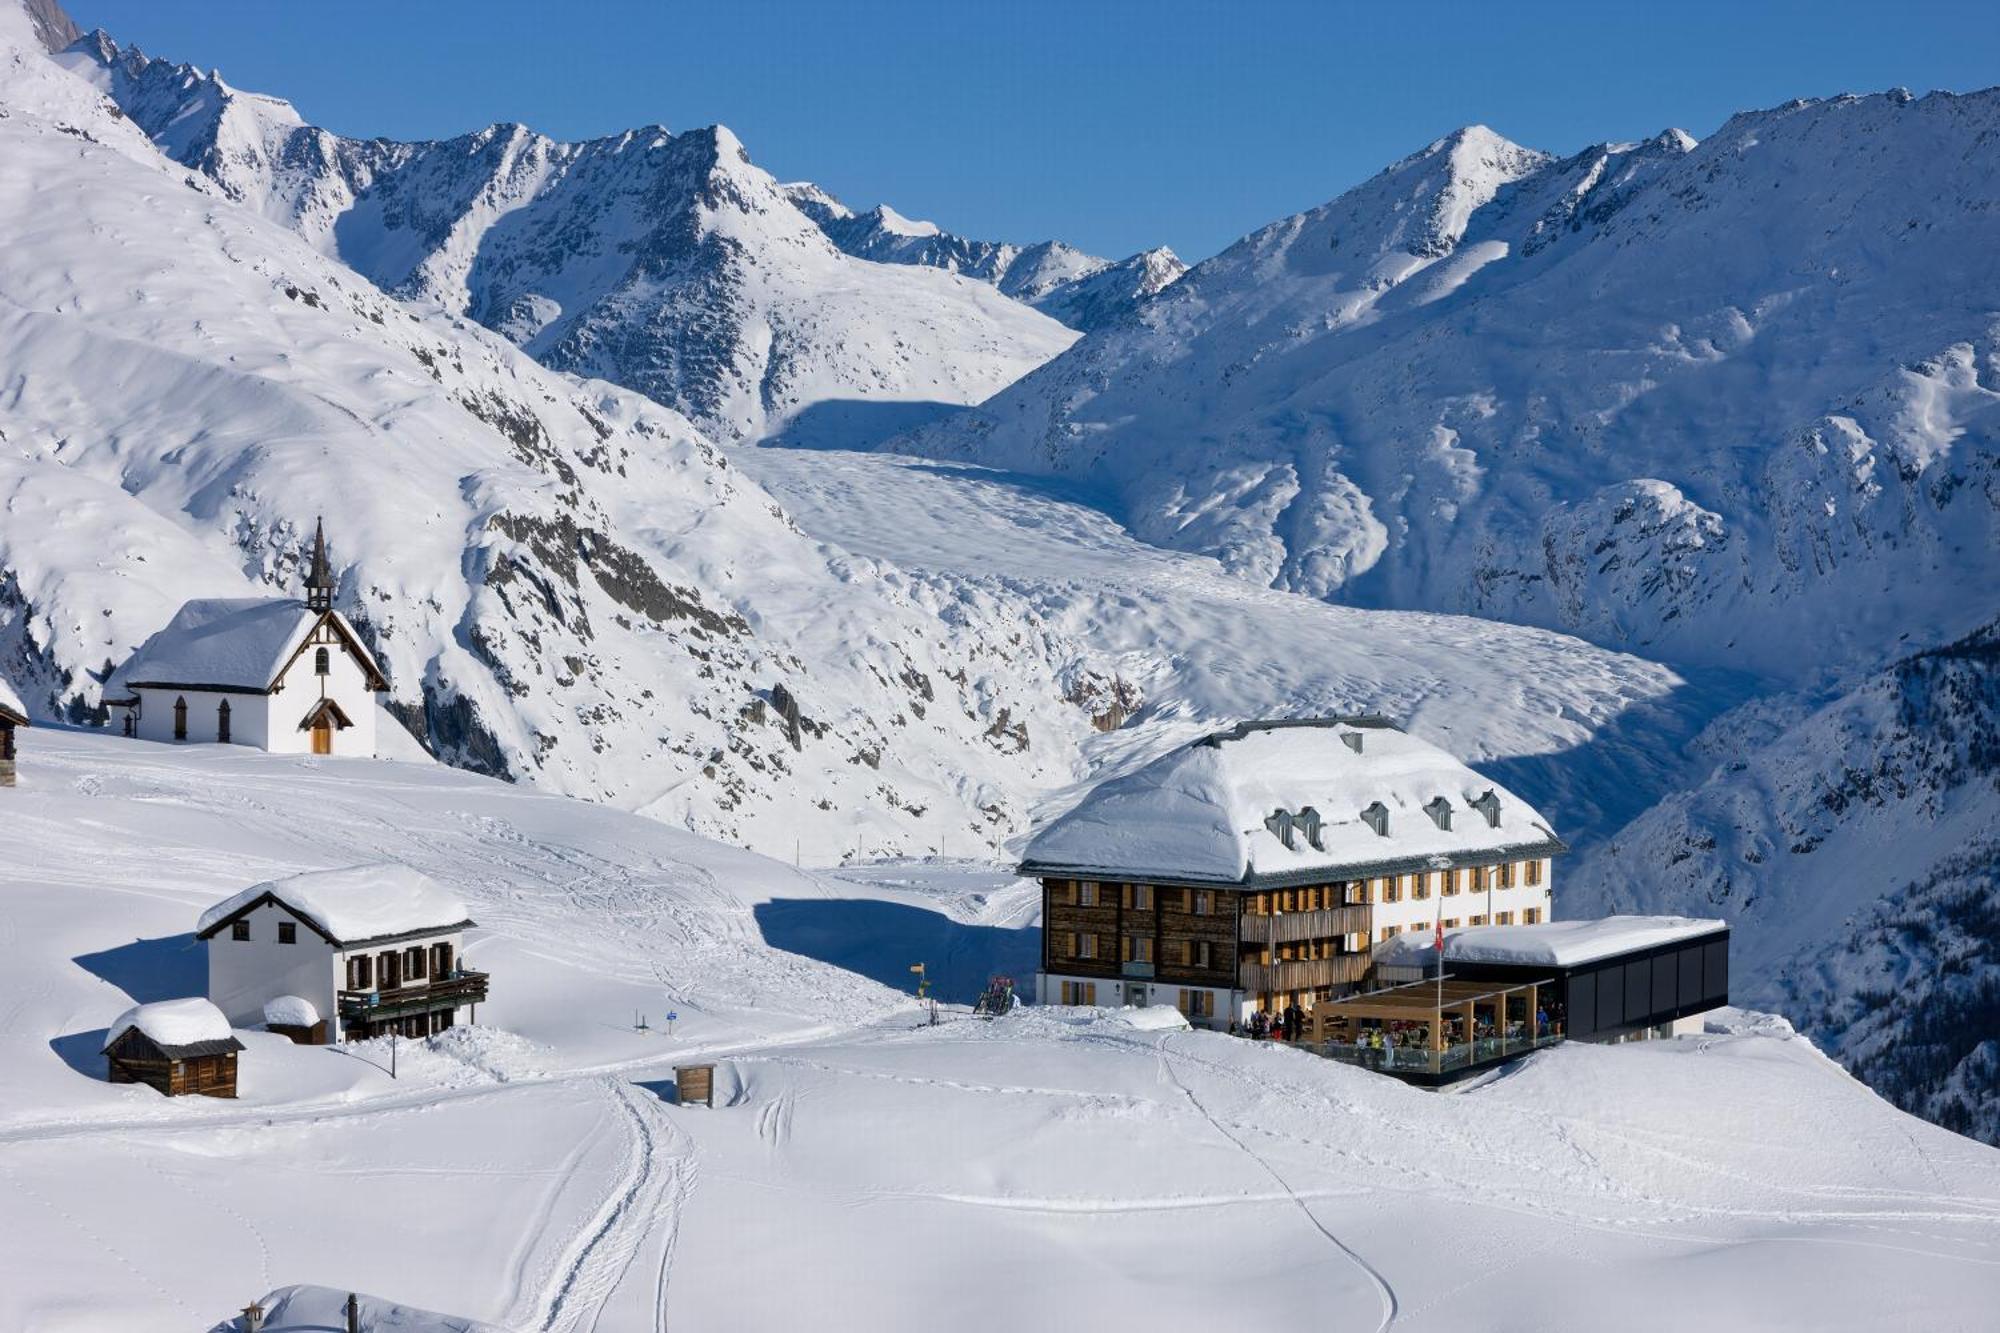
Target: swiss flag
[1440, 939]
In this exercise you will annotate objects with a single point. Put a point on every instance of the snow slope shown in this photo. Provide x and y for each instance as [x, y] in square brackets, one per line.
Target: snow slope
[534, 1173]
[1083, 291]
[667, 263]
[1708, 402]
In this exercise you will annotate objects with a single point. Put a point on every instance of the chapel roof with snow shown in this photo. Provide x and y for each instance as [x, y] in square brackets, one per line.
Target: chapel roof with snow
[356, 905]
[234, 643]
[1292, 802]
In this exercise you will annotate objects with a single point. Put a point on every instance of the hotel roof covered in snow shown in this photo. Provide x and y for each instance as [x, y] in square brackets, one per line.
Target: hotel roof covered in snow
[1297, 802]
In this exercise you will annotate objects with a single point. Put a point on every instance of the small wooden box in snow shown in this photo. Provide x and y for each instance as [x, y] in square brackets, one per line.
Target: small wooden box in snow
[695, 1083]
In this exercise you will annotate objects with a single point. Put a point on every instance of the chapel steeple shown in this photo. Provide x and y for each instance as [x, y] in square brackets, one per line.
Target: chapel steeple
[319, 578]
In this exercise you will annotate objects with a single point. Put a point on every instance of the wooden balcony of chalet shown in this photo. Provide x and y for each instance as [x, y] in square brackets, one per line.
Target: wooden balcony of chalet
[379, 1006]
[1303, 974]
[1269, 928]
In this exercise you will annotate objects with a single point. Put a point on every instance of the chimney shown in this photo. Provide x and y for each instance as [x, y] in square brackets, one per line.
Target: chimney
[253, 1317]
[353, 1313]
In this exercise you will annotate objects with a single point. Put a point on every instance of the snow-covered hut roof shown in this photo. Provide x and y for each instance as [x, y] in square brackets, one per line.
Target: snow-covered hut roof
[10, 703]
[180, 1028]
[290, 1011]
[351, 906]
[239, 643]
[1292, 802]
[1547, 944]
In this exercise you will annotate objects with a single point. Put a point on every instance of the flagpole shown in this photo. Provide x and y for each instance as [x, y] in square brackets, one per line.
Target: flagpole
[1442, 864]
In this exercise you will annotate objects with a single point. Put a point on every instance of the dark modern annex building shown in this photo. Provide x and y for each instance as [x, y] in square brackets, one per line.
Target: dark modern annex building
[1603, 979]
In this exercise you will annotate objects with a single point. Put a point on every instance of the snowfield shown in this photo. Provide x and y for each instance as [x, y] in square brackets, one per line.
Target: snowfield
[534, 1172]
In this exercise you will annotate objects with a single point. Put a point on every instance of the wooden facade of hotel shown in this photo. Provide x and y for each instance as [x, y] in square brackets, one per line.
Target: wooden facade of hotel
[1277, 945]
[1280, 946]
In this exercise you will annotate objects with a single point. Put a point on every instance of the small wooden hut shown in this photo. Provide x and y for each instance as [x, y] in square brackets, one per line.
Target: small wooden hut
[177, 1047]
[12, 715]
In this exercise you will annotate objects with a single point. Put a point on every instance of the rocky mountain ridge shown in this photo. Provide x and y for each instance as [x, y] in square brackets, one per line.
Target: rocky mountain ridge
[666, 263]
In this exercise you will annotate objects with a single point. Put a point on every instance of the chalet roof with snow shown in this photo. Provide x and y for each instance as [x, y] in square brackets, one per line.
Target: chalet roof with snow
[11, 706]
[233, 643]
[181, 1029]
[1295, 802]
[358, 905]
[1550, 943]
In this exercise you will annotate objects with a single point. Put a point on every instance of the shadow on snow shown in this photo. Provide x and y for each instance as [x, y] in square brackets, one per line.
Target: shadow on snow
[170, 967]
[880, 940]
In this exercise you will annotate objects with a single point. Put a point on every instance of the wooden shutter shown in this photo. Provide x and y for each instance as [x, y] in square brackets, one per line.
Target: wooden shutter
[391, 968]
[440, 960]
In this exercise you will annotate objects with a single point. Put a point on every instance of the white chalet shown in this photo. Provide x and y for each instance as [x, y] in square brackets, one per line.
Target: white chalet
[279, 674]
[339, 955]
[1263, 866]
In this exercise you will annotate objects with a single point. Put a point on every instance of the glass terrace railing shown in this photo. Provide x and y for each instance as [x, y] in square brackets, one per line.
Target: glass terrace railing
[1423, 1060]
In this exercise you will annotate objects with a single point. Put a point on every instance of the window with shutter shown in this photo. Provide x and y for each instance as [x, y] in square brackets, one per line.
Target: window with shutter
[413, 962]
[389, 967]
[360, 972]
[441, 960]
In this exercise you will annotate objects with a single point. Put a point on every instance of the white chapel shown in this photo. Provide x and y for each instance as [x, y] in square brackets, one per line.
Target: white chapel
[280, 674]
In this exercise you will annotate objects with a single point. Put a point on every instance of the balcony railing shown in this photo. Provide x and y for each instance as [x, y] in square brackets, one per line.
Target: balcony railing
[1344, 969]
[369, 1006]
[1322, 924]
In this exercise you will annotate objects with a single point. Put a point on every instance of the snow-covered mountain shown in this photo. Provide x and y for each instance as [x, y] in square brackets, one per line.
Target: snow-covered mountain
[1712, 402]
[1083, 291]
[667, 263]
[568, 584]
[1853, 845]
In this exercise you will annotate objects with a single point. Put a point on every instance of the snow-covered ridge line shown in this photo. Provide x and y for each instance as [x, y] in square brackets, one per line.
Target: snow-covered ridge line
[667, 263]
[1083, 291]
[1627, 393]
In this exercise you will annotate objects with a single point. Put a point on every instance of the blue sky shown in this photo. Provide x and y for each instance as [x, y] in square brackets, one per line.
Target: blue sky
[1111, 125]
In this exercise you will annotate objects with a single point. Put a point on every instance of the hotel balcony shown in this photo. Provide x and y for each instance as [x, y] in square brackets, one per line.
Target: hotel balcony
[1345, 969]
[1322, 924]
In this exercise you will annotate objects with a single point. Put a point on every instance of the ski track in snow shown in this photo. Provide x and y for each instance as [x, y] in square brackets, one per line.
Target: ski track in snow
[1384, 1292]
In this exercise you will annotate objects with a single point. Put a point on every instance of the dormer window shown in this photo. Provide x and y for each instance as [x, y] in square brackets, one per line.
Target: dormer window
[1280, 823]
[1352, 740]
[1376, 817]
[1440, 812]
[1488, 805]
[1307, 821]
